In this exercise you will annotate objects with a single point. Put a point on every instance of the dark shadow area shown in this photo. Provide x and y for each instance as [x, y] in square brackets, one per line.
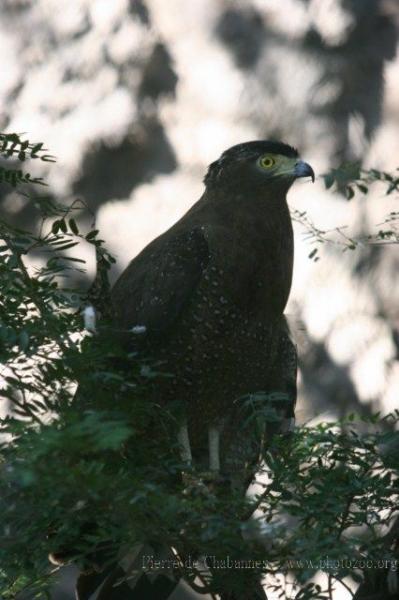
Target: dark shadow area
[17, 206]
[242, 31]
[356, 65]
[138, 8]
[112, 172]
[328, 386]
[158, 77]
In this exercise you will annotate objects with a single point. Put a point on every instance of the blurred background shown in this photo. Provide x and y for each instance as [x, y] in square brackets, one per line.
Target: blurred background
[137, 97]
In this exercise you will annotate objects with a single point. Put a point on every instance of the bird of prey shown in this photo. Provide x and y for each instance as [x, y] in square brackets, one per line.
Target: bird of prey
[206, 298]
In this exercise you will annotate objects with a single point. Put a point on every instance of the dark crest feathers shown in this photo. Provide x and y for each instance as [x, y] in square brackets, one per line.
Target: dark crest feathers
[248, 150]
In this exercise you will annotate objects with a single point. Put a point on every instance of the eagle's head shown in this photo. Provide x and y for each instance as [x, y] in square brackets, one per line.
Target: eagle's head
[256, 165]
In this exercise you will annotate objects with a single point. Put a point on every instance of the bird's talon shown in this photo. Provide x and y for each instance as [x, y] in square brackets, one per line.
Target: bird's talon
[193, 484]
[210, 476]
[204, 482]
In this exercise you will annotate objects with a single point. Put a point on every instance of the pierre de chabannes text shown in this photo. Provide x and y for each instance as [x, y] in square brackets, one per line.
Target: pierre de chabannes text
[150, 563]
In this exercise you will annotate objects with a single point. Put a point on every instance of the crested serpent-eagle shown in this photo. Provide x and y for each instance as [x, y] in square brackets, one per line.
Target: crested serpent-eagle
[206, 298]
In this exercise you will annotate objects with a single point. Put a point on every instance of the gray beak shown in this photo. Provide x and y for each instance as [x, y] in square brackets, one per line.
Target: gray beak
[302, 169]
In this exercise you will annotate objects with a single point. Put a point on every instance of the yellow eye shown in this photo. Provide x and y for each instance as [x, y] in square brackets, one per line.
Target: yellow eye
[267, 162]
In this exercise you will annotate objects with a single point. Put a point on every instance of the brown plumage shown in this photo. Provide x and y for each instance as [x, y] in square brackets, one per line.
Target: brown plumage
[211, 290]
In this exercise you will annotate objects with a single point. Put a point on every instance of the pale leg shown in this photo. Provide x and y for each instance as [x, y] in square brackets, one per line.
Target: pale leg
[184, 441]
[214, 439]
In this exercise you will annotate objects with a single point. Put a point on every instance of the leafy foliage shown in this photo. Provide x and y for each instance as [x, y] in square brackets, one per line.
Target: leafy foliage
[90, 474]
[351, 180]
[351, 176]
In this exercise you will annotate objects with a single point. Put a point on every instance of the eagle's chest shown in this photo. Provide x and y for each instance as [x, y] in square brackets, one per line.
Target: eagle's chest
[226, 349]
[254, 267]
[242, 293]
[224, 344]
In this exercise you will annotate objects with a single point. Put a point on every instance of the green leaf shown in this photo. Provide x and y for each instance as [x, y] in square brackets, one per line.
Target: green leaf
[22, 152]
[66, 245]
[92, 234]
[36, 149]
[329, 180]
[73, 226]
[55, 226]
[363, 188]
[393, 186]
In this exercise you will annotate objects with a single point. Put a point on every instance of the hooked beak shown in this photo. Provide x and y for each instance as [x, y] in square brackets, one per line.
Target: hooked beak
[302, 169]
